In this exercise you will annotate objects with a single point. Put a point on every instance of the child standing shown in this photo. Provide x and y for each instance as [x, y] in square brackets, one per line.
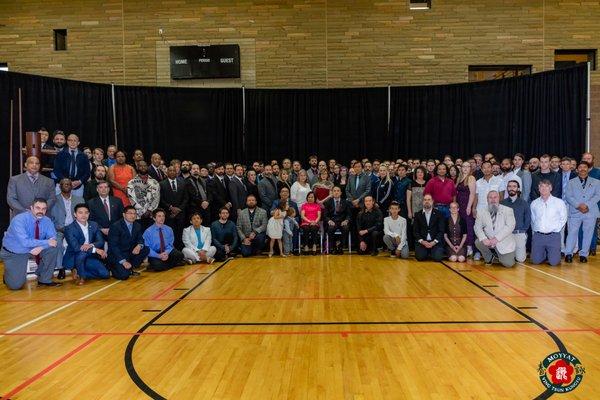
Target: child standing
[289, 224]
[275, 230]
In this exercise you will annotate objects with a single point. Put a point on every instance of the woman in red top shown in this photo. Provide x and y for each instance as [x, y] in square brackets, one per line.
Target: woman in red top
[323, 187]
[310, 213]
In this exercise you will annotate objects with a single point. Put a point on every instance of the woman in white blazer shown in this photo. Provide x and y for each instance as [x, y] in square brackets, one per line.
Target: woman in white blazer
[197, 241]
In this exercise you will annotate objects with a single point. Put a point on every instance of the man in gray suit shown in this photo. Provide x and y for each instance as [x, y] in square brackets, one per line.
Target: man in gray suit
[24, 188]
[62, 216]
[494, 230]
[251, 226]
[583, 194]
[525, 175]
[267, 188]
[237, 191]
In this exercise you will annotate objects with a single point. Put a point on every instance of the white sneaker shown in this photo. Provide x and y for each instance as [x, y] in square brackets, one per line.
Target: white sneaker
[469, 251]
[477, 257]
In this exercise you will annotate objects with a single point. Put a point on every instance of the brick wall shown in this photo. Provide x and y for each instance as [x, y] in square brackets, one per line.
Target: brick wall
[310, 43]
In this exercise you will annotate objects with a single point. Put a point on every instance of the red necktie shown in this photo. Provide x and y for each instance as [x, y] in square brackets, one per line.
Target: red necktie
[36, 236]
[162, 240]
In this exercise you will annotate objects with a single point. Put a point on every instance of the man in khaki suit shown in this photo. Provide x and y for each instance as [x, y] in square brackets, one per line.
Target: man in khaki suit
[493, 227]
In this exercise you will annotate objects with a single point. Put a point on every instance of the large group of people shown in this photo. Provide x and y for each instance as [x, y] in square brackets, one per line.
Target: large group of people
[97, 215]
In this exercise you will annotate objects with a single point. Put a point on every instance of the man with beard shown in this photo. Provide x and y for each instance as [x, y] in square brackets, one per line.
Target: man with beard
[507, 174]
[522, 218]
[548, 217]
[524, 174]
[218, 187]
[534, 164]
[428, 232]
[267, 188]
[186, 167]
[296, 167]
[313, 171]
[30, 233]
[62, 215]
[144, 195]
[174, 199]
[494, 228]
[90, 191]
[251, 227]
[238, 191]
[198, 195]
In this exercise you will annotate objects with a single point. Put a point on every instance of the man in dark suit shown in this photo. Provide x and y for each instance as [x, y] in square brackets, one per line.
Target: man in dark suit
[105, 210]
[428, 230]
[218, 187]
[174, 199]
[85, 251]
[357, 188]
[126, 249]
[337, 217]
[72, 163]
[154, 170]
[198, 196]
[238, 192]
[267, 188]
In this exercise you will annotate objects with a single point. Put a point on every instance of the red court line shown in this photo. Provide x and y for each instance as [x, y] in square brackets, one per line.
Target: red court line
[501, 281]
[283, 333]
[340, 297]
[51, 366]
[173, 286]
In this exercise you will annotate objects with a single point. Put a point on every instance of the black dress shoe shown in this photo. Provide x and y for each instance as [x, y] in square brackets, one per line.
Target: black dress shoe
[593, 252]
[61, 274]
[582, 259]
[135, 273]
[374, 252]
[569, 258]
[49, 284]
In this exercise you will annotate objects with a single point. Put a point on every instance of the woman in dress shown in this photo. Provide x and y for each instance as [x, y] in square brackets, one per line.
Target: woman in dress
[310, 214]
[119, 175]
[300, 189]
[414, 193]
[341, 180]
[382, 189]
[455, 235]
[465, 196]
[323, 187]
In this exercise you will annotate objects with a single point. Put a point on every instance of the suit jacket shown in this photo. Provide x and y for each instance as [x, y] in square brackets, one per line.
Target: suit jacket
[436, 227]
[62, 166]
[330, 214]
[577, 194]
[258, 226]
[267, 190]
[505, 225]
[120, 242]
[98, 214]
[237, 194]
[197, 192]
[58, 212]
[75, 238]
[21, 192]
[219, 193]
[170, 198]
[363, 189]
[159, 176]
[190, 240]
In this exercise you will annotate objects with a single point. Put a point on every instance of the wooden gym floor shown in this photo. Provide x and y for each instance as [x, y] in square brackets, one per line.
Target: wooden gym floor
[325, 327]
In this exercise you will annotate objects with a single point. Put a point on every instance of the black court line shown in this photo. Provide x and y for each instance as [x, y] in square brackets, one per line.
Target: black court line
[129, 350]
[561, 346]
[181, 289]
[527, 308]
[151, 310]
[488, 285]
[522, 321]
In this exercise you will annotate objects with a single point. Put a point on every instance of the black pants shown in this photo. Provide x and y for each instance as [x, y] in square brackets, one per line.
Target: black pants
[332, 237]
[422, 253]
[177, 224]
[371, 239]
[175, 259]
[119, 272]
[310, 233]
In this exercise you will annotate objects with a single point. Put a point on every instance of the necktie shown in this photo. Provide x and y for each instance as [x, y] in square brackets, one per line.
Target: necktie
[494, 220]
[357, 181]
[106, 208]
[337, 206]
[72, 170]
[162, 240]
[173, 186]
[36, 235]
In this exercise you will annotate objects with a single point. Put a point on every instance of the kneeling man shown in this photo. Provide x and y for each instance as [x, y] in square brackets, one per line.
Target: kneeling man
[493, 227]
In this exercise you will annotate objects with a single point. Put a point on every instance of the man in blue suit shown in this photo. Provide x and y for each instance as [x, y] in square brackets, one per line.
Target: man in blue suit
[126, 249]
[85, 251]
[105, 210]
[73, 164]
[583, 194]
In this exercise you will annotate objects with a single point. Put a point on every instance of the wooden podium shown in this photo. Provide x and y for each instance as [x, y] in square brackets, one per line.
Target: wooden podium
[33, 148]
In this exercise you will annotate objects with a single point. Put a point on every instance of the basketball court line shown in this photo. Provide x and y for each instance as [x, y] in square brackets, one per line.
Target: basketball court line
[317, 323]
[501, 281]
[560, 279]
[50, 367]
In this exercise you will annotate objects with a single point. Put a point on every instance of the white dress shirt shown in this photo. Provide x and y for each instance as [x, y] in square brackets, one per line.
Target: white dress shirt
[86, 234]
[511, 176]
[483, 187]
[548, 216]
[69, 216]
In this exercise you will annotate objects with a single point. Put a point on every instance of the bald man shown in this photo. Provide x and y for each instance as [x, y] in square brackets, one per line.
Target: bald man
[24, 188]
[72, 163]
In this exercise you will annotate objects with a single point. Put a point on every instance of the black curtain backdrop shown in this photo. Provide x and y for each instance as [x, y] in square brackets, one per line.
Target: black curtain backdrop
[333, 123]
[184, 123]
[536, 114]
[541, 113]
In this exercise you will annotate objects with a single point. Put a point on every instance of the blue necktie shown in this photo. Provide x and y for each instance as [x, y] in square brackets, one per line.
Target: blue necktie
[72, 171]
